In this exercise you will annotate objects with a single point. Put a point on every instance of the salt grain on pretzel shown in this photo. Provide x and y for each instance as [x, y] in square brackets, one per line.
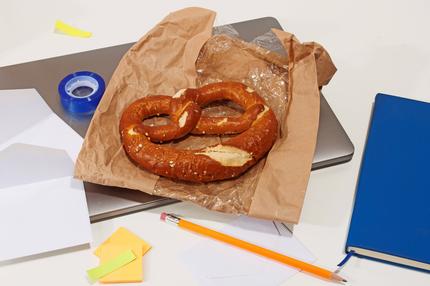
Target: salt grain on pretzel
[257, 127]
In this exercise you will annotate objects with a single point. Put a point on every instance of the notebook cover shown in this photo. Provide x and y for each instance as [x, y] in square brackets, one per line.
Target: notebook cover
[392, 204]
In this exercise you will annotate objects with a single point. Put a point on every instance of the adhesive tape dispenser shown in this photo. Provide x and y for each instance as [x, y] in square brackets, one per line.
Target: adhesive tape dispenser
[81, 92]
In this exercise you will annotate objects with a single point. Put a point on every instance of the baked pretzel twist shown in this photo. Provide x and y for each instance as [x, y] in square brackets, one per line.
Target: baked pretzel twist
[257, 126]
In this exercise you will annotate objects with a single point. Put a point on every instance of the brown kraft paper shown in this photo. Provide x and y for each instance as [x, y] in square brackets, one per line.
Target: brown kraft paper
[162, 62]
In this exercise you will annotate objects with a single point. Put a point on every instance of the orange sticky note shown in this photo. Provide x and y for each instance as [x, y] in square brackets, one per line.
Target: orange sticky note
[124, 236]
[131, 272]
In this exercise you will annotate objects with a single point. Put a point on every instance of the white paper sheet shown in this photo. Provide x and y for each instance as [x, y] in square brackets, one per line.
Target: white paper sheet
[217, 263]
[43, 210]
[41, 217]
[18, 161]
[20, 109]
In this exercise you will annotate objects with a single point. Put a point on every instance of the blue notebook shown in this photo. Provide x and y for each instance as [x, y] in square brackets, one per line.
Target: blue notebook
[391, 217]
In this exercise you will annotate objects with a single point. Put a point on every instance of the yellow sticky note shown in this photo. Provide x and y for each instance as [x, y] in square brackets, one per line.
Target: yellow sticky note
[131, 272]
[124, 236]
[66, 29]
[104, 269]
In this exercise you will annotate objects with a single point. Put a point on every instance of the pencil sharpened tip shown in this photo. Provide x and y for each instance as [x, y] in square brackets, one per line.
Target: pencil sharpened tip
[337, 278]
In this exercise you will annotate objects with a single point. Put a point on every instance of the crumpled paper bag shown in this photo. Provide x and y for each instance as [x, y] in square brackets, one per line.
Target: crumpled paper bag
[164, 61]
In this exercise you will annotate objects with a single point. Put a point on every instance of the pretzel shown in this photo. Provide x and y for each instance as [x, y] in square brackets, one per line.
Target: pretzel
[257, 126]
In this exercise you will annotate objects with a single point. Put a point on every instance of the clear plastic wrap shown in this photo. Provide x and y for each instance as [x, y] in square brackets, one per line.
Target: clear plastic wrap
[228, 30]
[269, 41]
[261, 69]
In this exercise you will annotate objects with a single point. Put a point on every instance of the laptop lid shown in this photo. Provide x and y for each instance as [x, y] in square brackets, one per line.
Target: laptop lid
[333, 144]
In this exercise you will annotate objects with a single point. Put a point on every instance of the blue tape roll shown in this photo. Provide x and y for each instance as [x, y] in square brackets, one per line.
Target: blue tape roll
[80, 92]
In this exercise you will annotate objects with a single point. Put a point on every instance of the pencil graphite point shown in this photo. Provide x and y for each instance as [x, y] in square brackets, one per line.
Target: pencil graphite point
[338, 278]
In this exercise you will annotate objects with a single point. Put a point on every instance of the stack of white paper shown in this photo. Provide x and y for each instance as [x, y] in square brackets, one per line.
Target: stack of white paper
[42, 208]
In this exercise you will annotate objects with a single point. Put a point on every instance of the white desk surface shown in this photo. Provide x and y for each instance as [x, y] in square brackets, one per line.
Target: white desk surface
[378, 46]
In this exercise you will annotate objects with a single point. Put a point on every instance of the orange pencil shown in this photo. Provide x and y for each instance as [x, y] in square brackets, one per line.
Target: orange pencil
[307, 267]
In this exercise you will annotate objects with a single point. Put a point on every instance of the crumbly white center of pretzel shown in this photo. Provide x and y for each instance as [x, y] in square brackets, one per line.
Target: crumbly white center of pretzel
[183, 119]
[228, 156]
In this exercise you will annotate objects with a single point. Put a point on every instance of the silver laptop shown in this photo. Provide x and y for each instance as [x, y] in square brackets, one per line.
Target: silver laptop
[333, 144]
